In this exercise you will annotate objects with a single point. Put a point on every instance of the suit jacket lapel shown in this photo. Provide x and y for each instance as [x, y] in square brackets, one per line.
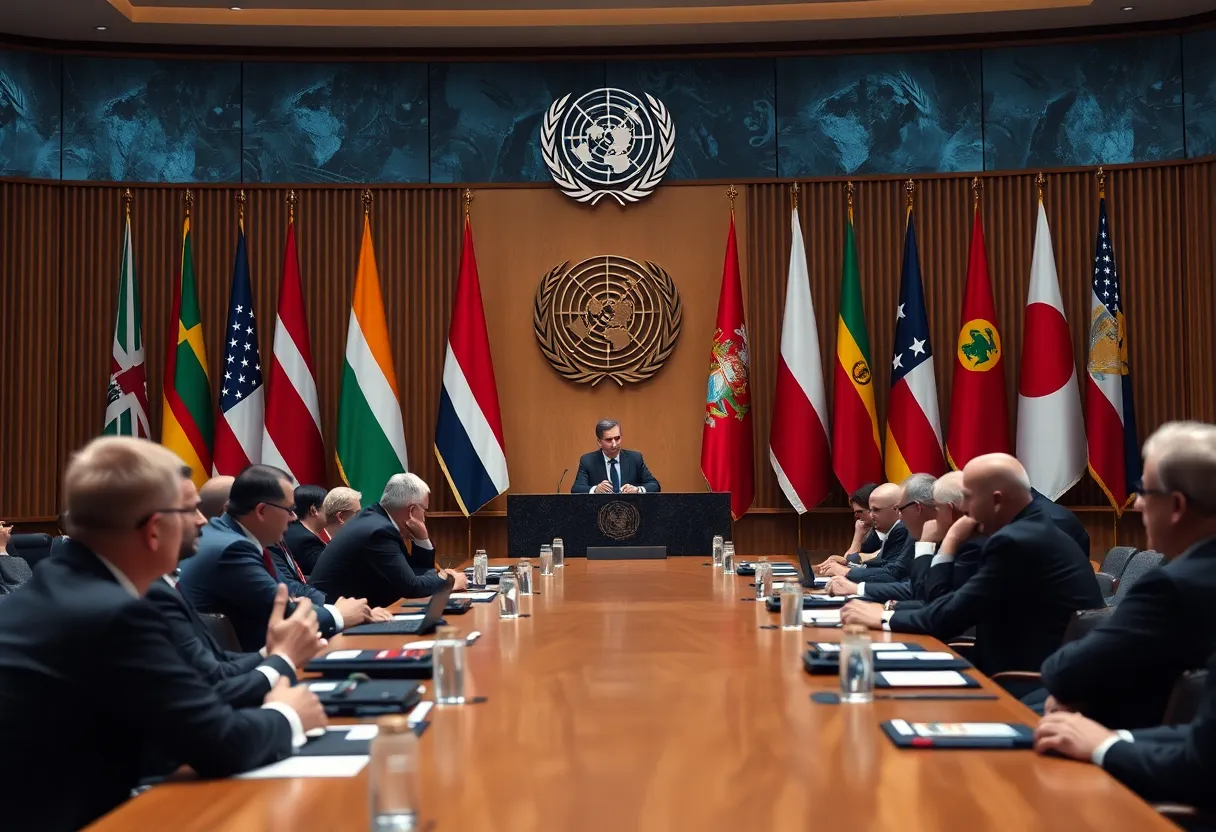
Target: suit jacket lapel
[200, 626]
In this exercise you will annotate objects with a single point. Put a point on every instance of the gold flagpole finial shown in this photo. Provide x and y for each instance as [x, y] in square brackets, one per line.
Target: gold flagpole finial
[849, 190]
[291, 204]
[127, 197]
[1039, 182]
[977, 185]
[367, 201]
[794, 194]
[468, 200]
[1101, 183]
[731, 193]
[188, 198]
[240, 210]
[909, 190]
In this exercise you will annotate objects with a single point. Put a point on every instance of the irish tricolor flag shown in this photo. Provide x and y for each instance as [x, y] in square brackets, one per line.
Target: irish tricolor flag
[371, 435]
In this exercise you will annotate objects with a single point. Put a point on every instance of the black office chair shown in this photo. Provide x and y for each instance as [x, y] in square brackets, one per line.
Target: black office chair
[1140, 564]
[1116, 560]
[31, 547]
[1019, 682]
[1185, 698]
[1107, 583]
[222, 630]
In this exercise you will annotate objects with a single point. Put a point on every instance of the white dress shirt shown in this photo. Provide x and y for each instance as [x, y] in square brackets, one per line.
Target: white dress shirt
[1099, 755]
[608, 469]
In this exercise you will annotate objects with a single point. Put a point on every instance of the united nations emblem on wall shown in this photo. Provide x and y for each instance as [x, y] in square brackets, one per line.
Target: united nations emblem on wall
[608, 143]
[619, 520]
[607, 317]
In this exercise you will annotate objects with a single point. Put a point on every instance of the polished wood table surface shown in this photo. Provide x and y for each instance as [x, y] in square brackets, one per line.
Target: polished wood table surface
[643, 695]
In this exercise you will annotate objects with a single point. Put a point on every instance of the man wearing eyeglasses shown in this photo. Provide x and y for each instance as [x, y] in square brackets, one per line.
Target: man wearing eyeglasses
[234, 572]
[1122, 673]
[89, 674]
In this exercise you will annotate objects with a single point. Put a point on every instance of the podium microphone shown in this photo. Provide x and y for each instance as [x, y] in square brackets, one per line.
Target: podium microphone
[559, 482]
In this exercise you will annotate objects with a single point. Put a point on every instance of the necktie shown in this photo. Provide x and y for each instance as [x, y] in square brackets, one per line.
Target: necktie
[615, 473]
[268, 562]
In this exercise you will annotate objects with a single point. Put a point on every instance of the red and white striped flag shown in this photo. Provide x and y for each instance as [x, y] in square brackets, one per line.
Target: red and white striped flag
[798, 444]
[1051, 435]
[292, 437]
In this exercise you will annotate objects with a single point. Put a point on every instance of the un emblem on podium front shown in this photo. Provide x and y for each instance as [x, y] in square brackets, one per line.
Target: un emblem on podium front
[619, 520]
[607, 317]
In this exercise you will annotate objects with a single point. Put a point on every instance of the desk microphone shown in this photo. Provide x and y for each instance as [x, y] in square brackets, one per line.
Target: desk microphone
[559, 482]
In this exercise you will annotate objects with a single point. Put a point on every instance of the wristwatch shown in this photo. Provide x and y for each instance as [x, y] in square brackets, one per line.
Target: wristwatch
[890, 605]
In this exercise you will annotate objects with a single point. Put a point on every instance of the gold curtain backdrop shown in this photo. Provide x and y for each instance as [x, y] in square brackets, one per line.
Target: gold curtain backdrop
[59, 272]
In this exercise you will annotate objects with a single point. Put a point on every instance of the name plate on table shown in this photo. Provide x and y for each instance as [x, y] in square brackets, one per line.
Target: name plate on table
[626, 553]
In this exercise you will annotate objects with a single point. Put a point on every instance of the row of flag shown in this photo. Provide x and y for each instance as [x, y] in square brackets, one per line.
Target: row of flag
[807, 449]
[278, 422]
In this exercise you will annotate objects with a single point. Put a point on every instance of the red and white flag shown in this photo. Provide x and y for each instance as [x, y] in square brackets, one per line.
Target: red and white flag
[1051, 434]
[798, 444]
[292, 437]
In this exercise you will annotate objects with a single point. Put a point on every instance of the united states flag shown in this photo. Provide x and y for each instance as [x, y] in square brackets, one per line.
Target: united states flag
[238, 433]
[1110, 417]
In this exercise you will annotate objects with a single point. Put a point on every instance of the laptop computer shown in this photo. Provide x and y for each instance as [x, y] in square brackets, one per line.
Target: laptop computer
[807, 577]
[410, 624]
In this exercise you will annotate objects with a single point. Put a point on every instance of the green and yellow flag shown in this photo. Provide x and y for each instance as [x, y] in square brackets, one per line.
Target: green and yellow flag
[856, 458]
[187, 428]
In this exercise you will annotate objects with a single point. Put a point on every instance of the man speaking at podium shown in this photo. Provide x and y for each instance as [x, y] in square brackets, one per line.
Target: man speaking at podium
[612, 469]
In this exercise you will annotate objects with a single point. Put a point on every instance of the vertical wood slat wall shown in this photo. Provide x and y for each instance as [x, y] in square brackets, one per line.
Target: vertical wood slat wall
[58, 278]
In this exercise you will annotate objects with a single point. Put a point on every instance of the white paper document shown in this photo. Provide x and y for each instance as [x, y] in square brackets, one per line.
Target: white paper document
[964, 729]
[322, 687]
[360, 732]
[814, 617]
[475, 596]
[343, 654]
[419, 713]
[824, 581]
[409, 617]
[924, 678]
[343, 766]
[921, 656]
[880, 647]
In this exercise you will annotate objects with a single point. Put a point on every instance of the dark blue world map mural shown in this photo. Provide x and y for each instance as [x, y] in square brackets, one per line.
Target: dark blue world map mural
[916, 112]
[485, 118]
[1104, 102]
[151, 121]
[1113, 101]
[30, 95]
[337, 123]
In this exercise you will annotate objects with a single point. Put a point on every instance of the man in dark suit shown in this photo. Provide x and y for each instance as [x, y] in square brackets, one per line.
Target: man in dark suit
[613, 469]
[891, 577]
[303, 535]
[1167, 764]
[241, 679]
[369, 556]
[1031, 581]
[884, 515]
[867, 540]
[1122, 673]
[234, 571]
[89, 675]
[1064, 519]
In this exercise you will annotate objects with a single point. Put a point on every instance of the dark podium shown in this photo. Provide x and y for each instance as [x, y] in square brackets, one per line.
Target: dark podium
[684, 523]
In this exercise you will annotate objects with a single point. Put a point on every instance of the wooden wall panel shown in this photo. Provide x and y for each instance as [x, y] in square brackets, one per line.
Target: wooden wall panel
[30, 406]
[60, 284]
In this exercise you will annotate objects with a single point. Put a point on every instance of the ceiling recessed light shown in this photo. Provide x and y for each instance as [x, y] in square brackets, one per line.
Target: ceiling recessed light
[101, 28]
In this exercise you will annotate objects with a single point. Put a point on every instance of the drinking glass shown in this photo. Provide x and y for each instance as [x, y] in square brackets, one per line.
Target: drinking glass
[448, 660]
[559, 553]
[546, 560]
[856, 666]
[508, 596]
[717, 551]
[393, 776]
[791, 606]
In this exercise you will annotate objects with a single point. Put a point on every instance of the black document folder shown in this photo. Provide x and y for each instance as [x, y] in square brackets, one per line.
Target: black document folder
[334, 742]
[809, 602]
[818, 663]
[368, 697]
[378, 664]
[958, 734]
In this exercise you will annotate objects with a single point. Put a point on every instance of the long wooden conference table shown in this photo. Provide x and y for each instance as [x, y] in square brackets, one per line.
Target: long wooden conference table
[644, 695]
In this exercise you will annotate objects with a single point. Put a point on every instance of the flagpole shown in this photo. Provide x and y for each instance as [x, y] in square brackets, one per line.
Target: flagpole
[469, 549]
[909, 189]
